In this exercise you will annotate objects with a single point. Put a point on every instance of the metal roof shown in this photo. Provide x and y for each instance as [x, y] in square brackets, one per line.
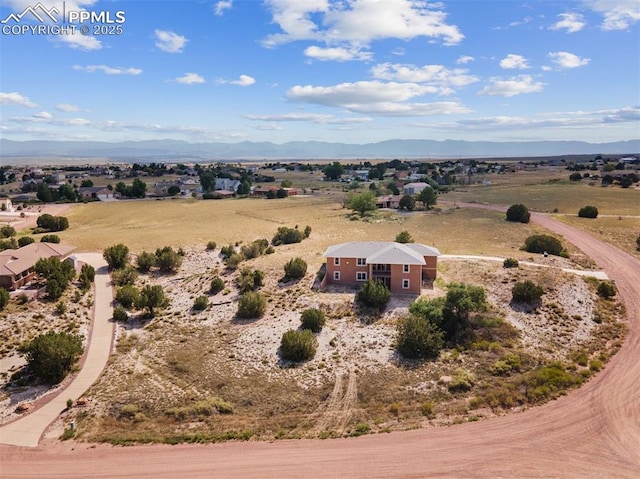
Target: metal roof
[382, 252]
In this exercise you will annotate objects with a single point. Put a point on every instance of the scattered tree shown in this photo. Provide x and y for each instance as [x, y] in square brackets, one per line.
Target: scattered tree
[87, 276]
[543, 243]
[126, 275]
[526, 292]
[116, 256]
[510, 263]
[460, 301]
[212, 245]
[286, 235]
[575, 176]
[374, 294]
[250, 280]
[146, 261]
[333, 171]
[298, 345]
[313, 319]
[362, 203]
[57, 274]
[168, 260]
[295, 268]
[407, 202]
[518, 213]
[152, 298]
[51, 355]
[588, 212]
[404, 237]
[252, 305]
[307, 232]
[428, 197]
[7, 231]
[52, 223]
[419, 338]
[25, 240]
[128, 295]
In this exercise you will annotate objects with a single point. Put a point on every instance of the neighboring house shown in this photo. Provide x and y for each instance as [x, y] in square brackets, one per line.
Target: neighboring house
[414, 188]
[187, 187]
[362, 174]
[95, 193]
[388, 201]
[403, 268]
[6, 205]
[227, 184]
[17, 265]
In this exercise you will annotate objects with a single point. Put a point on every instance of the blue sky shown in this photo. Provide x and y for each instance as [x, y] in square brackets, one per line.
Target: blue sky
[353, 71]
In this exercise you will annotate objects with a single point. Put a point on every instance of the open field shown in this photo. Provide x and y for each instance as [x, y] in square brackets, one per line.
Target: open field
[621, 232]
[547, 191]
[151, 224]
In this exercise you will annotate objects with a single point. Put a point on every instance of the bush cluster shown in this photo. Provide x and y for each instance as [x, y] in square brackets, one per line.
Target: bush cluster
[588, 212]
[50, 239]
[217, 285]
[544, 243]
[298, 345]
[252, 305]
[606, 290]
[518, 213]
[295, 268]
[201, 303]
[250, 280]
[52, 223]
[510, 263]
[286, 235]
[374, 294]
[313, 319]
[526, 292]
[51, 355]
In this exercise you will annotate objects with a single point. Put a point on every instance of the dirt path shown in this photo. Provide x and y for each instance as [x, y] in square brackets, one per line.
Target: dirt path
[593, 432]
[336, 412]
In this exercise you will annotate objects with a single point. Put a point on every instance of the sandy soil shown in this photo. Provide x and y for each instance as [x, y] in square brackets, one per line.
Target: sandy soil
[591, 432]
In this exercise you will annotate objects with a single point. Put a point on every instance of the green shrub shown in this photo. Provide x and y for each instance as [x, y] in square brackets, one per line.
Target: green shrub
[254, 249]
[428, 409]
[233, 261]
[419, 338]
[211, 245]
[518, 213]
[25, 240]
[543, 243]
[404, 237]
[606, 290]
[201, 303]
[295, 268]
[251, 305]
[307, 231]
[217, 285]
[51, 355]
[526, 292]
[127, 295]
[7, 231]
[250, 280]
[510, 263]
[298, 345]
[588, 212]
[168, 260]
[462, 381]
[50, 239]
[286, 235]
[227, 251]
[124, 276]
[313, 319]
[116, 256]
[120, 315]
[374, 294]
[146, 261]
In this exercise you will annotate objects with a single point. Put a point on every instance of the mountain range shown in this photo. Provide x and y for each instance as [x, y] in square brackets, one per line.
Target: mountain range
[172, 150]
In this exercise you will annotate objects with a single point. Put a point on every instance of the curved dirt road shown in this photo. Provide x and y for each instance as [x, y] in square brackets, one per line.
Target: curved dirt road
[594, 432]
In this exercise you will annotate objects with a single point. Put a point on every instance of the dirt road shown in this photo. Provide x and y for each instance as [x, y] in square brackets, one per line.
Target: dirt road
[593, 432]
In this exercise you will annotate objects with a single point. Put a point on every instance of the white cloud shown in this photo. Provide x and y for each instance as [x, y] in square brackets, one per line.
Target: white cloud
[512, 86]
[170, 42]
[108, 70]
[339, 54]
[567, 60]
[190, 79]
[375, 97]
[318, 118]
[512, 62]
[571, 22]
[464, 59]
[67, 107]
[15, 98]
[399, 51]
[436, 75]
[243, 80]
[618, 14]
[267, 127]
[356, 23]
[44, 115]
[221, 6]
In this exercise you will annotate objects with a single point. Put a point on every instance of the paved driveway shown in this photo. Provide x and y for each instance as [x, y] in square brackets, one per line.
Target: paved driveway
[28, 430]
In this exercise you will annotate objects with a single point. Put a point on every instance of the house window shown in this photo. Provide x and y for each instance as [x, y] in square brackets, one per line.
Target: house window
[405, 284]
[336, 275]
[361, 276]
[336, 261]
[362, 261]
[405, 268]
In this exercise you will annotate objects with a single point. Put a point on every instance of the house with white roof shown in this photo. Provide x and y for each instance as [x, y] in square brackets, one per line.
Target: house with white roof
[402, 267]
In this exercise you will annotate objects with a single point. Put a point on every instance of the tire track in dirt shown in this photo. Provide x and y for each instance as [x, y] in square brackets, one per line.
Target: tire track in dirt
[336, 412]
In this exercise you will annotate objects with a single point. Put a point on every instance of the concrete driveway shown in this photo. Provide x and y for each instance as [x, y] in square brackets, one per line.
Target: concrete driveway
[28, 430]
